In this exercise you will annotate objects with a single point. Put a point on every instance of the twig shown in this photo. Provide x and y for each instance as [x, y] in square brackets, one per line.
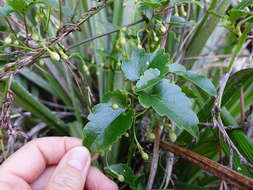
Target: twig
[105, 34]
[155, 159]
[228, 175]
[228, 128]
[217, 122]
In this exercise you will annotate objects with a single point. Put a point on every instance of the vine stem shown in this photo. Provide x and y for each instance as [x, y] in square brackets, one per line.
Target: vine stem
[155, 158]
[105, 34]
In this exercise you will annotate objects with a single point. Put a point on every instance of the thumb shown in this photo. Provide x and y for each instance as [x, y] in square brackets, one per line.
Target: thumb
[71, 172]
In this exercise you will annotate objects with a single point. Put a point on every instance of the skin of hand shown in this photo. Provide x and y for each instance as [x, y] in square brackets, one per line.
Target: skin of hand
[52, 163]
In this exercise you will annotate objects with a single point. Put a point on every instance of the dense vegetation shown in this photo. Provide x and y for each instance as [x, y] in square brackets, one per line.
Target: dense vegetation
[125, 75]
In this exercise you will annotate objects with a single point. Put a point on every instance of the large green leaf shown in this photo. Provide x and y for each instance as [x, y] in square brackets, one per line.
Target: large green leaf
[141, 61]
[168, 99]
[136, 65]
[199, 80]
[108, 122]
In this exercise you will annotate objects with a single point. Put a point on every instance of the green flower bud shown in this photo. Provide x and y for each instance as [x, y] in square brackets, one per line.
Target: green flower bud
[35, 37]
[115, 106]
[156, 39]
[55, 56]
[126, 135]
[121, 178]
[124, 29]
[123, 41]
[144, 155]
[172, 135]
[8, 40]
[151, 136]
[41, 62]
[163, 29]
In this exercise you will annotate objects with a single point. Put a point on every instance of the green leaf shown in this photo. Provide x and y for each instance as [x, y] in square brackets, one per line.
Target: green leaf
[168, 99]
[174, 68]
[153, 3]
[18, 5]
[141, 61]
[108, 122]
[126, 171]
[116, 97]
[200, 81]
[106, 126]
[148, 79]
[6, 10]
[235, 82]
[136, 66]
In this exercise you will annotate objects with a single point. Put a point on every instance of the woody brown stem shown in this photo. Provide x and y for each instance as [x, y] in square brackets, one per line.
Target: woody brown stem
[226, 174]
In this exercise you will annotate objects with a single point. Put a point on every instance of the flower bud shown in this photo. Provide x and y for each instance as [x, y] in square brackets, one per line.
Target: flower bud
[144, 155]
[172, 135]
[115, 106]
[151, 136]
[8, 40]
[55, 56]
[121, 178]
[163, 29]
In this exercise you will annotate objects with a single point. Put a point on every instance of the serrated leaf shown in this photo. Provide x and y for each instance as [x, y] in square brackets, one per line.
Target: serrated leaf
[126, 171]
[168, 99]
[106, 126]
[148, 79]
[199, 80]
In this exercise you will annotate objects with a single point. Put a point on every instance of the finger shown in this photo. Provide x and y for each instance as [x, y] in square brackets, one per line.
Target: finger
[72, 170]
[96, 180]
[42, 181]
[30, 161]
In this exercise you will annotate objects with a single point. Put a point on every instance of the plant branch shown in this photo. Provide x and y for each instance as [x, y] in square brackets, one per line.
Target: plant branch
[226, 174]
[105, 34]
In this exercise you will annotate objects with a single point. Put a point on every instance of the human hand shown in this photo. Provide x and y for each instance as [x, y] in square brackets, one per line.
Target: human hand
[53, 163]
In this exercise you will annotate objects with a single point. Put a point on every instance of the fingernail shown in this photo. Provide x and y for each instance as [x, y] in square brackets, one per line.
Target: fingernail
[78, 158]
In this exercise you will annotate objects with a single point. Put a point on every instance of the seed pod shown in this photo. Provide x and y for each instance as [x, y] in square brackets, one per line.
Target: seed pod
[115, 106]
[126, 135]
[55, 56]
